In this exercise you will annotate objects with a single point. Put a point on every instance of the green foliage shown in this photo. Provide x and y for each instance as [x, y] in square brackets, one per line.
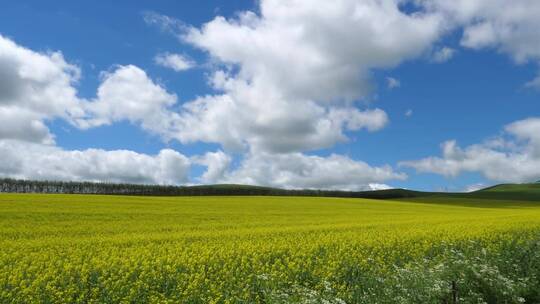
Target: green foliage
[56, 187]
[121, 249]
[521, 192]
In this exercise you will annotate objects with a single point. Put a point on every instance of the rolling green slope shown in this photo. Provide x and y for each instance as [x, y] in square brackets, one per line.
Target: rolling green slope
[522, 192]
[533, 188]
[495, 196]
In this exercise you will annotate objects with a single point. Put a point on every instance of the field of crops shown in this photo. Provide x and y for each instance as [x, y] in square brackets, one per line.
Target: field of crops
[107, 249]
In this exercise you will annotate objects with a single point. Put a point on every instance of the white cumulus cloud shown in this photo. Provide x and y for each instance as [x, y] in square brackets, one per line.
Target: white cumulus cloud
[511, 27]
[128, 94]
[443, 54]
[300, 171]
[217, 164]
[25, 160]
[503, 160]
[392, 83]
[297, 64]
[34, 88]
[176, 62]
[533, 84]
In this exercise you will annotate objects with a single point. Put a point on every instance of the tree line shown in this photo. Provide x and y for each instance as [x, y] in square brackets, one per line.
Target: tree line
[8, 185]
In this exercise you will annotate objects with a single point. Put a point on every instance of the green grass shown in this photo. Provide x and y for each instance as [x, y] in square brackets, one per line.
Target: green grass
[103, 249]
[527, 188]
[505, 192]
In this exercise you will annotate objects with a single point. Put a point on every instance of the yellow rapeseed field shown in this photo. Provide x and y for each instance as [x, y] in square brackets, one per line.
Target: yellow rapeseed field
[114, 249]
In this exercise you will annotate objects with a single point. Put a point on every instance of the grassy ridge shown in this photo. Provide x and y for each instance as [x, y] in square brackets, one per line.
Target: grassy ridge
[529, 192]
[504, 192]
[109, 249]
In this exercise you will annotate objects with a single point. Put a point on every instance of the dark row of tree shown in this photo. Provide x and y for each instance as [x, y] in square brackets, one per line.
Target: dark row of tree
[59, 187]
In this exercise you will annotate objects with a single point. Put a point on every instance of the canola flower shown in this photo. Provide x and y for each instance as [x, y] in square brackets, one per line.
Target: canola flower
[107, 249]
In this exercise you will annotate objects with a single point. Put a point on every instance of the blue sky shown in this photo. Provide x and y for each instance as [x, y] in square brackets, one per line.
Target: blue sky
[482, 92]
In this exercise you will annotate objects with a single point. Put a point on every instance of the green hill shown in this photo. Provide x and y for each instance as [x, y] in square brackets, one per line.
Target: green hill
[503, 192]
[528, 192]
